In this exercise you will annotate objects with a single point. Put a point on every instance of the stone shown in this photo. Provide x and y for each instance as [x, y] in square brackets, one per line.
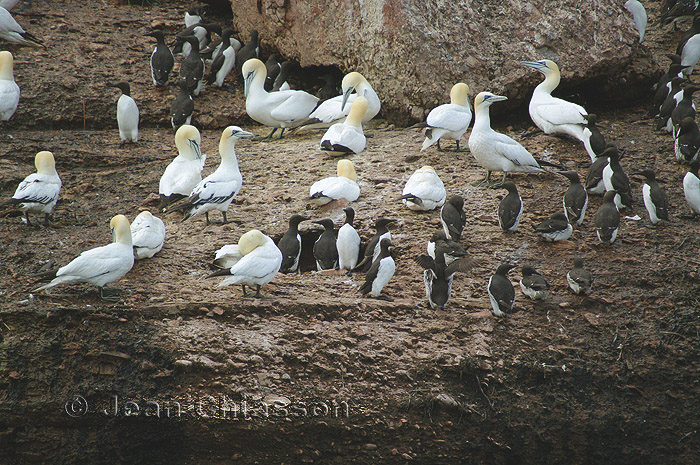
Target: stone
[412, 52]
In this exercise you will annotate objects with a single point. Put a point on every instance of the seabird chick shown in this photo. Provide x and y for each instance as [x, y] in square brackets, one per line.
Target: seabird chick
[533, 284]
[556, 228]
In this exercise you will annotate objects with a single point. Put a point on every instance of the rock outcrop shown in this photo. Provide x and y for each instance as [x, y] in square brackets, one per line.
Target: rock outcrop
[413, 51]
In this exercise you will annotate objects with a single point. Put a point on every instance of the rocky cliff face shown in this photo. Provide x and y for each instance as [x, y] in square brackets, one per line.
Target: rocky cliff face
[413, 51]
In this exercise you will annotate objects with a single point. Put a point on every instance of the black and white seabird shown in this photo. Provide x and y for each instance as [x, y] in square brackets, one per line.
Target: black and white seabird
[639, 15]
[127, 114]
[380, 272]
[272, 66]
[325, 249]
[690, 54]
[580, 280]
[225, 61]
[453, 218]
[9, 90]
[533, 284]
[675, 95]
[655, 199]
[162, 60]
[674, 10]
[290, 245]
[691, 187]
[575, 199]
[248, 51]
[607, 219]
[501, 291]
[201, 31]
[693, 30]
[687, 143]
[348, 242]
[510, 209]
[182, 108]
[192, 67]
[438, 275]
[664, 85]
[615, 179]
[193, 15]
[12, 32]
[372, 248]
[38, 192]
[286, 69]
[593, 139]
[594, 177]
[452, 249]
[556, 228]
[684, 109]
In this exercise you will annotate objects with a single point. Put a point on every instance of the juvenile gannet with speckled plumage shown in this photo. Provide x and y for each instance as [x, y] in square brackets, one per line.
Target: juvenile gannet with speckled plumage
[102, 265]
[216, 191]
[11, 31]
[127, 114]
[554, 115]
[336, 109]
[38, 192]
[347, 136]
[185, 171]
[280, 109]
[449, 120]
[147, 235]
[260, 262]
[343, 186]
[9, 90]
[493, 150]
[424, 190]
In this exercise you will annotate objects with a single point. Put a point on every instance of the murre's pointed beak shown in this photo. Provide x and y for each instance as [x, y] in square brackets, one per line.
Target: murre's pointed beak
[346, 95]
[248, 81]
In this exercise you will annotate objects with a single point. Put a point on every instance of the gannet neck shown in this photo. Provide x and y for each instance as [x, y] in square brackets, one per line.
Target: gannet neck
[6, 66]
[45, 163]
[551, 82]
[121, 230]
[357, 111]
[459, 94]
[346, 170]
[254, 75]
[482, 117]
[250, 241]
[188, 142]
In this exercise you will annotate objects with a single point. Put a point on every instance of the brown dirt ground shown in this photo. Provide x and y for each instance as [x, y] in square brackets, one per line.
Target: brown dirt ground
[610, 378]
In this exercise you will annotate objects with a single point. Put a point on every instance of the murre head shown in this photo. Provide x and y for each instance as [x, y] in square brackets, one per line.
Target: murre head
[504, 268]
[510, 187]
[383, 223]
[648, 173]
[45, 163]
[346, 170]
[528, 271]
[609, 197]
[457, 201]
[188, 142]
[485, 99]
[459, 94]
[349, 84]
[591, 120]
[123, 86]
[327, 224]
[121, 230]
[250, 70]
[6, 66]
[357, 111]
[250, 241]
[158, 34]
[571, 176]
[296, 219]
[349, 215]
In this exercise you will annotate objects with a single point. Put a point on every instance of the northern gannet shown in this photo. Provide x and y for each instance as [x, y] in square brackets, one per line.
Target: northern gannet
[225, 61]
[102, 265]
[260, 262]
[290, 245]
[495, 151]
[38, 192]
[348, 242]
[127, 114]
[372, 248]
[533, 284]
[639, 15]
[687, 143]
[192, 68]
[11, 31]
[380, 272]
[216, 191]
[424, 190]
[325, 250]
[9, 90]
[342, 186]
[555, 228]
[336, 109]
[453, 218]
[510, 210]
[501, 291]
[347, 136]
[607, 219]
[438, 274]
[580, 280]
[691, 187]
[281, 109]
[554, 115]
[162, 60]
[575, 199]
[185, 171]
[655, 199]
[147, 235]
[449, 120]
[227, 256]
[182, 108]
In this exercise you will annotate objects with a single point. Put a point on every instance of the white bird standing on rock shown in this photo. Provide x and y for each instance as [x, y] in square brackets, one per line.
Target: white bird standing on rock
[147, 235]
[449, 120]
[639, 15]
[344, 186]
[127, 114]
[347, 136]
[38, 192]
[11, 31]
[9, 90]
[260, 262]
[336, 109]
[185, 171]
[424, 190]
[493, 150]
[280, 109]
[554, 115]
[102, 265]
[216, 191]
